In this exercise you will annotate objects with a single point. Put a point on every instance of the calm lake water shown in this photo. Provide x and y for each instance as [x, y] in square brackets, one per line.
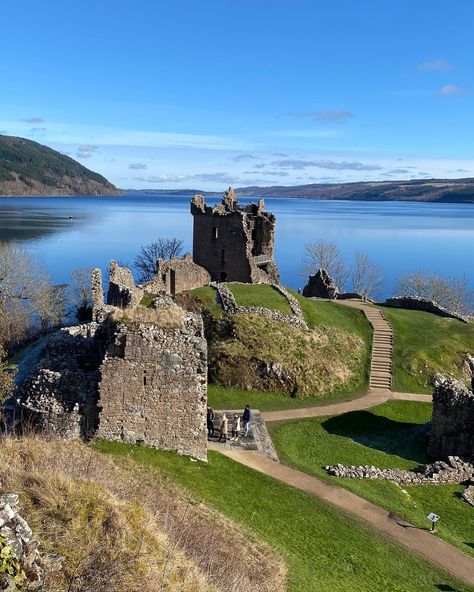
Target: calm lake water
[399, 237]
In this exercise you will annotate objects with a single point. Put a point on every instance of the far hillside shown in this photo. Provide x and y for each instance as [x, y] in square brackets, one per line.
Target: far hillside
[31, 169]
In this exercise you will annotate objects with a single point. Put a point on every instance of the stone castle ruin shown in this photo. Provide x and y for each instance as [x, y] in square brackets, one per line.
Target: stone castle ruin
[234, 244]
[133, 374]
[136, 374]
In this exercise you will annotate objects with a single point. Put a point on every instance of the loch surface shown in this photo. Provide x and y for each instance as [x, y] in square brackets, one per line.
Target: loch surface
[68, 232]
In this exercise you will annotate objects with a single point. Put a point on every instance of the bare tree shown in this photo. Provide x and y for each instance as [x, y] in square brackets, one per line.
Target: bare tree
[81, 294]
[325, 255]
[163, 248]
[25, 292]
[452, 293]
[366, 277]
[6, 378]
[50, 304]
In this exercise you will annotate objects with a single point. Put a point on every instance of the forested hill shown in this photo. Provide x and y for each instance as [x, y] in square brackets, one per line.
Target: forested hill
[429, 190]
[29, 169]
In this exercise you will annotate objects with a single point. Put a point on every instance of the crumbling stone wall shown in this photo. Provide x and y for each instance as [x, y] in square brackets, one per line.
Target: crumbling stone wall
[321, 285]
[230, 306]
[452, 424]
[177, 275]
[122, 292]
[59, 396]
[234, 243]
[153, 387]
[16, 534]
[133, 382]
[414, 303]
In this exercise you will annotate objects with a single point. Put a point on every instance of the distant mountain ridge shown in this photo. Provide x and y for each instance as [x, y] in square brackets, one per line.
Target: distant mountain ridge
[28, 168]
[426, 190]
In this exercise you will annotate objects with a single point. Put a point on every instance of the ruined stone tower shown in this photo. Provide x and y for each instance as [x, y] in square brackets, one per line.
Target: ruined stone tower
[234, 244]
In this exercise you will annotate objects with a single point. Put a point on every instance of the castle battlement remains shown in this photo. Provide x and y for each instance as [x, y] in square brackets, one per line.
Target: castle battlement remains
[233, 243]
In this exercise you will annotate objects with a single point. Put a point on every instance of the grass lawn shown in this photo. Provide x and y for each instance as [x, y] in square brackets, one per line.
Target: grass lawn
[324, 550]
[208, 296]
[388, 436]
[425, 344]
[260, 295]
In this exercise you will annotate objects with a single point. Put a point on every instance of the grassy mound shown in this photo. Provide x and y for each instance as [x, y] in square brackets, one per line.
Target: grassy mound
[392, 435]
[117, 530]
[310, 364]
[324, 549]
[250, 355]
[425, 344]
[260, 295]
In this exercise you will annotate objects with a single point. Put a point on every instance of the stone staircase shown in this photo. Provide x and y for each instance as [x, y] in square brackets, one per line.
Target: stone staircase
[382, 345]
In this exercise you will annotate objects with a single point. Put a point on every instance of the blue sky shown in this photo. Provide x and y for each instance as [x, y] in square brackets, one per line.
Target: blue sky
[205, 94]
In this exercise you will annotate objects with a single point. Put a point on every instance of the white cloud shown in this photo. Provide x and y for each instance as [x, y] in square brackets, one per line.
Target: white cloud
[452, 89]
[32, 120]
[137, 166]
[438, 65]
[86, 151]
[324, 114]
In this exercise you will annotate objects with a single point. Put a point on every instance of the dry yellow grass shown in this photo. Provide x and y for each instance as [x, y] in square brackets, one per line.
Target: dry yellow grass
[166, 318]
[118, 531]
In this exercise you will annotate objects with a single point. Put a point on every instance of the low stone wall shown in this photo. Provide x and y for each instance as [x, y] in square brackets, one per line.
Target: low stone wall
[413, 303]
[454, 470]
[468, 494]
[16, 533]
[231, 307]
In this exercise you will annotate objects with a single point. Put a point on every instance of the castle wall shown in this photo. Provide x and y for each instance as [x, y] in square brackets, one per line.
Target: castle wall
[228, 240]
[122, 291]
[174, 276]
[153, 387]
[452, 424]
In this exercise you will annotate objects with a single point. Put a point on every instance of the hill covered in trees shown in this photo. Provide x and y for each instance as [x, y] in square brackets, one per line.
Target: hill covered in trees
[30, 169]
[429, 190]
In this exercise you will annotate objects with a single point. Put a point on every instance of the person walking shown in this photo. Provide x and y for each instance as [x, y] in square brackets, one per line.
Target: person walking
[210, 422]
[236, 427]
[247, 416]
[224, 428]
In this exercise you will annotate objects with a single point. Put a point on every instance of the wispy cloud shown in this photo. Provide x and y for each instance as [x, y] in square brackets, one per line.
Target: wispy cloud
[38, 131]
[297, 164]
[204, 177]
[241, 157]
[324, 114]
[32, 120]
[305, 133]
[86, 151]
[452, 90]
[438, 65]
[137, 166]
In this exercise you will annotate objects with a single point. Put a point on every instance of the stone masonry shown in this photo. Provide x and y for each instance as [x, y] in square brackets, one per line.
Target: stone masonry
[153, 387]
[452, 424]
[321, 285]
[234, 244]
[231, 307]
[132, 381]
[122, 292]
[177, 275]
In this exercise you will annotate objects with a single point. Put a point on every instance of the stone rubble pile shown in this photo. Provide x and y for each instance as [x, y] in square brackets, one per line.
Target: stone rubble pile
[454, 470]
[321, 285]
[15, 532]
[231, 307]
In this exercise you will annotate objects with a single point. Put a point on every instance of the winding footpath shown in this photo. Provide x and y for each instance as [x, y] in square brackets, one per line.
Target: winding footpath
[417, 540]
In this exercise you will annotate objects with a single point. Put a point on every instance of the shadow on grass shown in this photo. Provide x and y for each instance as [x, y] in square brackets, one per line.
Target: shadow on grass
[407, 440]
[446, 588]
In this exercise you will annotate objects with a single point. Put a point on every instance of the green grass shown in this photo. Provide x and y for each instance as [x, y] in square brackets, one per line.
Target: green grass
[388, 436]
[208, 297]
[324, 549]
[425, 344]
[146, 301]
[260, 295]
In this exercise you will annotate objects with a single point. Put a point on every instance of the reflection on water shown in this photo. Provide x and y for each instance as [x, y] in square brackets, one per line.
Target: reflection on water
[64, 233]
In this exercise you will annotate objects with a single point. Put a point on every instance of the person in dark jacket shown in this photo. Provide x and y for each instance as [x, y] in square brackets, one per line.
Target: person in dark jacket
[210, 422]
[246, 417]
